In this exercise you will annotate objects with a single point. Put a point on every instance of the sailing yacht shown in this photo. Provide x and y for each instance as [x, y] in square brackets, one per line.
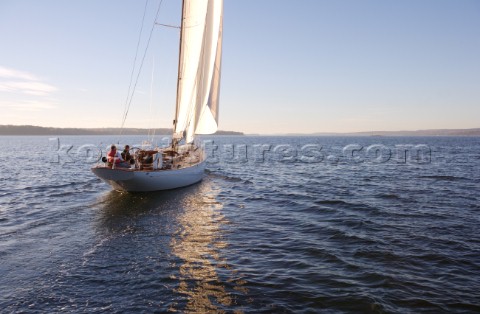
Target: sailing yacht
[183, 162]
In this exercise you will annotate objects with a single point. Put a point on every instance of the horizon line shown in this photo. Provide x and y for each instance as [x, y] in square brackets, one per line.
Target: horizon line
[372, 132]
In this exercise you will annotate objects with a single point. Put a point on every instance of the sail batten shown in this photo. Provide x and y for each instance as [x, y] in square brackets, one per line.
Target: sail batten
[199, 68]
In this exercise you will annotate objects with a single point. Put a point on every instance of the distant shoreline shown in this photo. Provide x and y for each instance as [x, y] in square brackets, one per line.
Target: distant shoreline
[31, 130]
[38, 130]
[430, 132]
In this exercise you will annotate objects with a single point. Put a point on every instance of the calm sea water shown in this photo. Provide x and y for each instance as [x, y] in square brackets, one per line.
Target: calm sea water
[279, 224]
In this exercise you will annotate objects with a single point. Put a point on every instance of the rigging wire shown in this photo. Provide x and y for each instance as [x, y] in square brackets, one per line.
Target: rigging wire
[130, 98]
[166, 25]
[151, 130]
[133, 67]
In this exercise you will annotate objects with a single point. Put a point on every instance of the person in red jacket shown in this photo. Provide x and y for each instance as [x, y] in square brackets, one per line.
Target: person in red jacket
[114, 157]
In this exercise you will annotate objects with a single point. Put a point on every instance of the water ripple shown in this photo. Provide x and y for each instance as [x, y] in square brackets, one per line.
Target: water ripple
[270, 237]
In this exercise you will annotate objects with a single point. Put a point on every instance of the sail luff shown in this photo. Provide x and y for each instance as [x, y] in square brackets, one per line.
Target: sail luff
[175, 120]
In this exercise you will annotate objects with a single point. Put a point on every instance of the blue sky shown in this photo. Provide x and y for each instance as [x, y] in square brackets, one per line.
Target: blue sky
[288, 66]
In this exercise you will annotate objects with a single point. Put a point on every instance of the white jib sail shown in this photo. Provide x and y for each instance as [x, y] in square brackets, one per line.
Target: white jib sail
[199, 68]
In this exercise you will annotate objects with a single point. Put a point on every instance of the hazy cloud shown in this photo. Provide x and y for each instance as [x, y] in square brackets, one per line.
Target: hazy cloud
[15, 74]
[12, 80]
[31, 88]
[23, 92]
[29, 105]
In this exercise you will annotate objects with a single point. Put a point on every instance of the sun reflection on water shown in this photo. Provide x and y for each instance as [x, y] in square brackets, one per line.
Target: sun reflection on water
[198, 242]
[181, 236]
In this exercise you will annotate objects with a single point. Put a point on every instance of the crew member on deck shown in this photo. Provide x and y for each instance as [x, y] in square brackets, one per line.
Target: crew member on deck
[126, 154]
[114, 157]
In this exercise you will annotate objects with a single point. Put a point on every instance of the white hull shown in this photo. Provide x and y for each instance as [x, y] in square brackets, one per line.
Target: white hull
[133, 180]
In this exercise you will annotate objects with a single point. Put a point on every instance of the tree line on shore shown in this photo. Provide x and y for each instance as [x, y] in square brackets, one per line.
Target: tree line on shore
[38, 130]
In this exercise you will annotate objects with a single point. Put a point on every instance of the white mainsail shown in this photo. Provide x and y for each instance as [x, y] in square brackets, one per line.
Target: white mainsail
[199, 68]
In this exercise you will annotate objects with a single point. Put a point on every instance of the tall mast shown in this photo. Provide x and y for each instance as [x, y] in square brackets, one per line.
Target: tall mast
[179, 68]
